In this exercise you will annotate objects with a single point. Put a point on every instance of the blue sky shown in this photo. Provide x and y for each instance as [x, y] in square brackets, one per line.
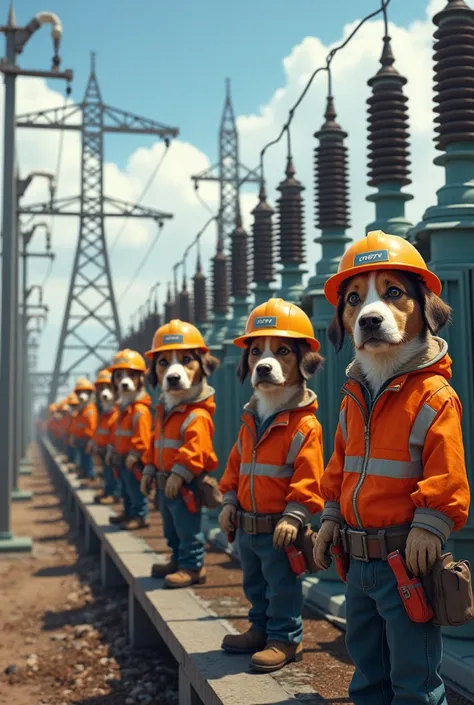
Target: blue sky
[168, 60]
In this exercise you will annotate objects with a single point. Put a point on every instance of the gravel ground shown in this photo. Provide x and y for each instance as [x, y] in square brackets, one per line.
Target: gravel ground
[63, 639]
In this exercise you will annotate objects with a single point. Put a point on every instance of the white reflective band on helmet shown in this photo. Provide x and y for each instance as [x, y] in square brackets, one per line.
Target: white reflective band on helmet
[381, 467]
[265, 322]
[371, 257]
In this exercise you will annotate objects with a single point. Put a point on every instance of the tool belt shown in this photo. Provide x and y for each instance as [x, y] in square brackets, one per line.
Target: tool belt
[256, 523]
[374, 544]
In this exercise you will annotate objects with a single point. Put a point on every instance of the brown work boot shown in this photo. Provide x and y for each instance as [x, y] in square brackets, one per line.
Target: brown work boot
[275, 655]
[118, 519]
[107, 499]
[185, 578]
[161, 570]
[134, 523]
[247, 643]
[71, 467]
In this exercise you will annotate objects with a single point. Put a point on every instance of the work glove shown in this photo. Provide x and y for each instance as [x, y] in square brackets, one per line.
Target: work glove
[328, 534]
[422, 551]
[286, 531]
[148, 479]
[173, 485]
[90, 447]
[227, 518]
[130, 461]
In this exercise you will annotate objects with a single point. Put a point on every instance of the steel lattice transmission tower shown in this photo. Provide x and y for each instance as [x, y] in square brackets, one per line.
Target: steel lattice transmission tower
[91, 324]
[228, 174]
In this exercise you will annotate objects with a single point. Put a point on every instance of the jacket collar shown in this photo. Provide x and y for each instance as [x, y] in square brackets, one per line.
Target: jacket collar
[303, 398]
[202, 392]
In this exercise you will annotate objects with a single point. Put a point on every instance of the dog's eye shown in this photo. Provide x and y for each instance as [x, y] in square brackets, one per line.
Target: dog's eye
[163, 362]
[353, 299]
[393, 292]
[186, 360]
[283, 351]
[255, 351]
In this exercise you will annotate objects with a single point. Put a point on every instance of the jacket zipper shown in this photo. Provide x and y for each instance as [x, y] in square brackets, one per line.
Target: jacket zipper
[255, 444]
[366, 458]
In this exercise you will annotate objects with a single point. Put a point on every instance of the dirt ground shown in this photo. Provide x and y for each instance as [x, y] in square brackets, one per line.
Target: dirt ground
[64, 639]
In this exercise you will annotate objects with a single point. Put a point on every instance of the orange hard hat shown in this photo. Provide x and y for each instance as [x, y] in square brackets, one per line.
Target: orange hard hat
[128, 360]
[278, 319]
[73, 399]
[177, 335]
[52, 407]
[83, 385]
[380, 251]
[104, 377]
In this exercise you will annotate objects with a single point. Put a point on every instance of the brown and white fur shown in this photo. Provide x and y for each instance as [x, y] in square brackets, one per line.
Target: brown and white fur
[278, 368]
[127, 385]
[105, 396]
[181, 374]
[391, 317]
[84, 398]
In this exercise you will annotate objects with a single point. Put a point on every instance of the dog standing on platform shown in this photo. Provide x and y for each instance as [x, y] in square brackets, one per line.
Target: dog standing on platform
[271, 482]
[181, 449]
[108, 413]
[397, 478]
[83, 427]
[130, 436]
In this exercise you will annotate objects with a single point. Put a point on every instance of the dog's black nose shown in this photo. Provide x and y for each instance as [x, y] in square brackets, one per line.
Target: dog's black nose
[263, 370]
[173, 380]
[371, 322]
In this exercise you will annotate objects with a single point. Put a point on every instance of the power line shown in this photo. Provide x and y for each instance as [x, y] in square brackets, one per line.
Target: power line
[143, 194]
[142, 263]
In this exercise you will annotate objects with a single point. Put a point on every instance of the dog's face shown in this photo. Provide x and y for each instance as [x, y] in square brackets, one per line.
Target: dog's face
[176, 371]
[127, 383]
[84, 397]
[274, 363]
[385, 309]
[105, 394]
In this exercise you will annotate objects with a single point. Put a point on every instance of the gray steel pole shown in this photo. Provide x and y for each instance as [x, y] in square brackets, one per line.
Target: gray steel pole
[9, 299]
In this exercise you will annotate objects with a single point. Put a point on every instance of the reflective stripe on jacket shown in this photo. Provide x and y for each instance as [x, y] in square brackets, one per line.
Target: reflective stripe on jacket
[132, 430]
[182, 439]
[102, 435]
[280, 472]
[85, 421]
[402, 461]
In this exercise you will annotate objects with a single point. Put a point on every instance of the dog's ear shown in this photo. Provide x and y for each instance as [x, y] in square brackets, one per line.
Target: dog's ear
[308, 360]
[243, 366]
[435, 312]
[152, 377]
[208, 362]
[335, 330]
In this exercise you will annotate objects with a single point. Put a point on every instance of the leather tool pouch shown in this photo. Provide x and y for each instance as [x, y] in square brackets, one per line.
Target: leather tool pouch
[208, 492]
[449, 589]
[305, 542]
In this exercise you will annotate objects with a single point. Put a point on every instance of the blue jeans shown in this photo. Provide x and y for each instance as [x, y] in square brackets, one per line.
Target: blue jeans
[71, 454]
[396, 660]
[182, 531]
[135, 504]
[274, 591]
[86, 464]
[111, 484]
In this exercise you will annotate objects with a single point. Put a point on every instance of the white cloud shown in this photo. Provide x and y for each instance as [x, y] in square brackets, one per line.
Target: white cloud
[173, 191]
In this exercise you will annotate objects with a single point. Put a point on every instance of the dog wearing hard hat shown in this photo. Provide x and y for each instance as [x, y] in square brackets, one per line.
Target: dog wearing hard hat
[181, 451]
[130, 436]
[397, 478]
[271, 483]
[71, 451]
[108, 413]
[83, 427]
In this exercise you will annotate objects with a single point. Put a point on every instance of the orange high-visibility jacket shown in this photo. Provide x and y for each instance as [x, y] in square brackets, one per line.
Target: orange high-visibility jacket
[281, 472]
[132, 431]
[55, 425]
[103, 432]
[404, 461]
[64, 424]
[182, 439]
[84, 423]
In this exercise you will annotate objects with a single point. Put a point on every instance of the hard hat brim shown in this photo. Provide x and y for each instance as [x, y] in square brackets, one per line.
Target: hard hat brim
[241, 341]
[333, 284]
[84, 389]
[134, 368]
[178, 346]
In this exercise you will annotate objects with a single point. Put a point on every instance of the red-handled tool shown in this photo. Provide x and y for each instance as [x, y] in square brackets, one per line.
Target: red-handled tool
[411, 590]
[296, 559]
[230, 536]
[189, 499]
[341, 561]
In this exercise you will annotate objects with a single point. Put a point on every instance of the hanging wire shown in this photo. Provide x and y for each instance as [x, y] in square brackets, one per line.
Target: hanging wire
[48, 273]
[142, 195]
[326, 67]
[142, 263]
[200, 199]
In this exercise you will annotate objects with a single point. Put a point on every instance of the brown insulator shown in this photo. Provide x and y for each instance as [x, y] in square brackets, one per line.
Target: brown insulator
[184, 304]
[169, 306]
[291, 217]
[331, 173]
[239, 260]
[454, 74]
[263, 248]
[200, 300]
[220, 291]
[388, 124]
